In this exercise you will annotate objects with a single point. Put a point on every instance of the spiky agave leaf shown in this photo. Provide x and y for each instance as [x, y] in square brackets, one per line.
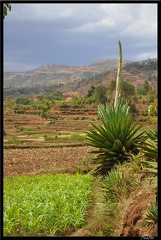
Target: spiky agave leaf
[150, 146]
[152, 214]
[115, 138]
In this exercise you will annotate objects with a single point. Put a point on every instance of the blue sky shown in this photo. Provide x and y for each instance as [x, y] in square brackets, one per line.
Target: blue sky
[77, 34]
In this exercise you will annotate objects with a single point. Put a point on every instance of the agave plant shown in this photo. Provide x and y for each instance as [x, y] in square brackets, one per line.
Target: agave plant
[115, 138]
[152, 214]
[150, 151]
[150, 160]
[150, 146]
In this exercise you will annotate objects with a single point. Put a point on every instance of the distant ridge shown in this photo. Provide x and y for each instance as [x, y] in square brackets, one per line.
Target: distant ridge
[57, 73]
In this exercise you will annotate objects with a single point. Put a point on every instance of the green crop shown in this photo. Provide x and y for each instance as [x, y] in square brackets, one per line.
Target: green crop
[45, 204]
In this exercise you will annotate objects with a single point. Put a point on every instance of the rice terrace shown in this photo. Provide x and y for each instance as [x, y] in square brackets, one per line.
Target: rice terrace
[74, 165]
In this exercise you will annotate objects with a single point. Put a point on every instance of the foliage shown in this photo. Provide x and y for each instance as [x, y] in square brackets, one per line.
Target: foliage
[127, 89]
[133, 108]
[116, 138]
[151, 110]
[100, 94]
[115, 185]
[73, 137]
[148, 64]
[35, 89]
[112, 85]
[6, 7]
[25, 100]
[91, 91]
[150, 146]
[46, 204]
[55, 95]
[152, 214]
[144, 88]
[119, 182]
[14, 141]
[150, 150]
[44, 106]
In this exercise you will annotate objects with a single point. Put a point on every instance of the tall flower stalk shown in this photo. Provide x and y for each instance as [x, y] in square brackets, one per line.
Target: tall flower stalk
[118, 80]
[117, 136]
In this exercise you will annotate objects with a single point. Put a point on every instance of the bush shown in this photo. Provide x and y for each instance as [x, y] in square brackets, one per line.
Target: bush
[152, 214]
[116, 138]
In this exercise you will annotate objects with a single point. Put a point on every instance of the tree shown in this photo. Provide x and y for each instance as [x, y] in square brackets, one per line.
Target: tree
[44, 106]
[25, 100]
[100, 94]
[112, 85]
[127, 90]
[6, 7]
[144, 88]
[91, 91]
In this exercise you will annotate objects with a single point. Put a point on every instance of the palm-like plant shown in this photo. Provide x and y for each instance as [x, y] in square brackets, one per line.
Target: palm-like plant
[152, 214]
[150, 146]
[150, 151]
[115, 138]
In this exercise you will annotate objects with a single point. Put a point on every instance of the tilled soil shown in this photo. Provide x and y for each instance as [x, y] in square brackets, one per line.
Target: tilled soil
[32, 161]
[44, 160]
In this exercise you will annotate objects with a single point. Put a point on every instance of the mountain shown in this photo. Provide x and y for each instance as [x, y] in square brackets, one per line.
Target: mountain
[52, 74]
[66, 78]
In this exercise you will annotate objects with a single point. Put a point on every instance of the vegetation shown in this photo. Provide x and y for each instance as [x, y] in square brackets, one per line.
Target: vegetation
[56, 204]
[116, 138]
[152, 215]
[118, 80]
[6, 7]
[45, 204]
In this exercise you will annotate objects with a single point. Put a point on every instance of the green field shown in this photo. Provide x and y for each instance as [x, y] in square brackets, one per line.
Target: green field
[45, 204]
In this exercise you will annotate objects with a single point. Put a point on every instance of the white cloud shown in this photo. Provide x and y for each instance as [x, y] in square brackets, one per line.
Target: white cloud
[41, 33]
[40, 12]
[144, 24]
[146, 55]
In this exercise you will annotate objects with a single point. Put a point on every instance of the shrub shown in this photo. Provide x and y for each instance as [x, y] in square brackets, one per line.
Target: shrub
[116, 138]
[152, 214]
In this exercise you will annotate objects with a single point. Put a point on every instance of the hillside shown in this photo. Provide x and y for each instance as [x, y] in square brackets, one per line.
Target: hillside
[133, 72]
[53, 74]
[78, 79]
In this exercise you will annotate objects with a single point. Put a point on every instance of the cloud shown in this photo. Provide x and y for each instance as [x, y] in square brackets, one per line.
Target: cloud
[145, 55]
[78, 33]
[40, 12]
[145, 23]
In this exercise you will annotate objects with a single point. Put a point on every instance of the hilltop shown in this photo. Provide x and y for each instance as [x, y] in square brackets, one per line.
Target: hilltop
[78, 78]
[54, 74]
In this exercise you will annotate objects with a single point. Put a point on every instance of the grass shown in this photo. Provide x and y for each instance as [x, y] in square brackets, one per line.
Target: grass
[45, 204]
[118, 187]
[73, 137]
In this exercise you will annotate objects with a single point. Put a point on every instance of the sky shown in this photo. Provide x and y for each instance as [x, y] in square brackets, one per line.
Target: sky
[77, 34]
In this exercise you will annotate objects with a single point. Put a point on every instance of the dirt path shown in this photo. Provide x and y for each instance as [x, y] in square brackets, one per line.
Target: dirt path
[43, 160]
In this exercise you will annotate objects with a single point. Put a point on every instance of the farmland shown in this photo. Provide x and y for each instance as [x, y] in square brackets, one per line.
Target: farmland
[53, 146]
[33, 147]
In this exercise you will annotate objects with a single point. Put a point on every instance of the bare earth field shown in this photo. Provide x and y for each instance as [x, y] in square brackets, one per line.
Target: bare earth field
[44, 160]
[32, 161]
